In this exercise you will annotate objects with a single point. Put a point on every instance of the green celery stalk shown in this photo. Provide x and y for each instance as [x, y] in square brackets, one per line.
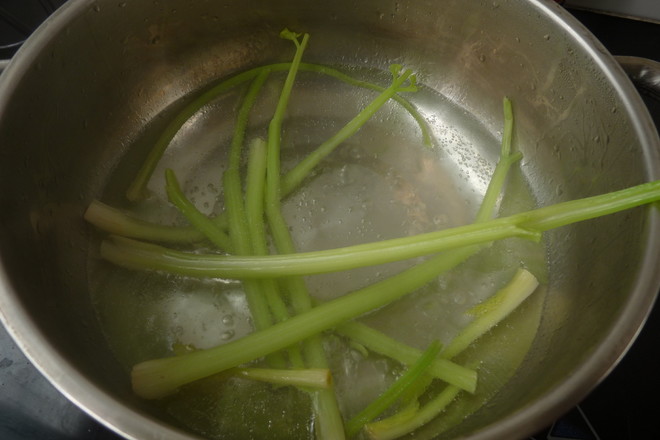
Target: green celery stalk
[390, 396]
[137, 189]
[488, 314]
[308, 378]
[329, 424]
[200, 221]
[382, 344]
[115, 221]
[402, 424]
[492, 311]
[160, 377]
[295, 176]
[527, 224]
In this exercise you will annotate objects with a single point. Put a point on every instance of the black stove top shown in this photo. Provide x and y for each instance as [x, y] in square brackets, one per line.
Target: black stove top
[623, 407]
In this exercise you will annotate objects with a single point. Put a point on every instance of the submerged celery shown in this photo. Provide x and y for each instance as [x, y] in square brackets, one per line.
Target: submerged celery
[329, 424]
[248, 240]
[137, 189]
[488, 314]
[387, 398]
[526, 224]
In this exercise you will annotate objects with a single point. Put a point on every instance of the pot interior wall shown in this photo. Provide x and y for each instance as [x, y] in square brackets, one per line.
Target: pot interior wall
[80, 105]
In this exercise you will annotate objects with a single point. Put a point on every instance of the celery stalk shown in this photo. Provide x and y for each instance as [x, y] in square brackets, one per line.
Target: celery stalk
[395, 427]
[200, 221]
[295, 176]
[492, 311]
[308, 378]
[329, 424]
[389, 396]
[115, 221]
[527, 224]
[137, 189]
[380, 343]
[488, 314]
[160, 377]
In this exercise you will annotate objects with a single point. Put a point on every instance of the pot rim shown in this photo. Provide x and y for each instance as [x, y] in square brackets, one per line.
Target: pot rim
[132, 424]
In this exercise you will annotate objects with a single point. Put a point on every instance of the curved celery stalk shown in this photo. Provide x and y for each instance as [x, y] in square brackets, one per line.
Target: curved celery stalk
[114, 221]
[137, 189]
[400, 425]
[329, 423]
[527, 224]
[492, 311]
[236, 213]
[200, 221]
[380, 343]
[295, 176]
[160, 377]
[146, 256]
[488, 314]
[390, 396]
[254, 208]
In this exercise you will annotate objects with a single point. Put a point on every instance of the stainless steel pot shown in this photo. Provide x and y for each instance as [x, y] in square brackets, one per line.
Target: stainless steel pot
[100, 74]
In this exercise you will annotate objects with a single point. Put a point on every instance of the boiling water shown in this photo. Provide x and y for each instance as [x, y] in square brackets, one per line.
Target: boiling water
[382, 183]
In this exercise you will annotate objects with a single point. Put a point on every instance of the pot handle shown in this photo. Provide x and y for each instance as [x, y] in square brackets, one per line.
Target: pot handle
[645, 73]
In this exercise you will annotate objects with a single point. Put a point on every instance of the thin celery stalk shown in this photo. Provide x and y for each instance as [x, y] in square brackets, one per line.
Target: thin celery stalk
[254, 206]
[237, 216]
[527, 224]
[392, 393]
[295, 176]
[421, 122]
[234, 205]
[382, 344]
[329, 423]
[159, 377]
[137, 189]
[492, 311]
[489, 313]
[146, 256]
[200, 221]
[115, 221]
[395, 427]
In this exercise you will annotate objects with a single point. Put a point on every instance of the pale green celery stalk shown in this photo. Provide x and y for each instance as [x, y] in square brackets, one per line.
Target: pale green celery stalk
[137, 189]
[392, 393]
[506, 160]
[492, 311]
[488, 314]
[421, 122]
[329, 423]
[295, 176]
[308, 377]
[133, 254]
[382, 344]
[254, 206]
[403, 423]
[527, 224]
[200, 221]
[236, 212]
[160, 377]
[115, 221]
